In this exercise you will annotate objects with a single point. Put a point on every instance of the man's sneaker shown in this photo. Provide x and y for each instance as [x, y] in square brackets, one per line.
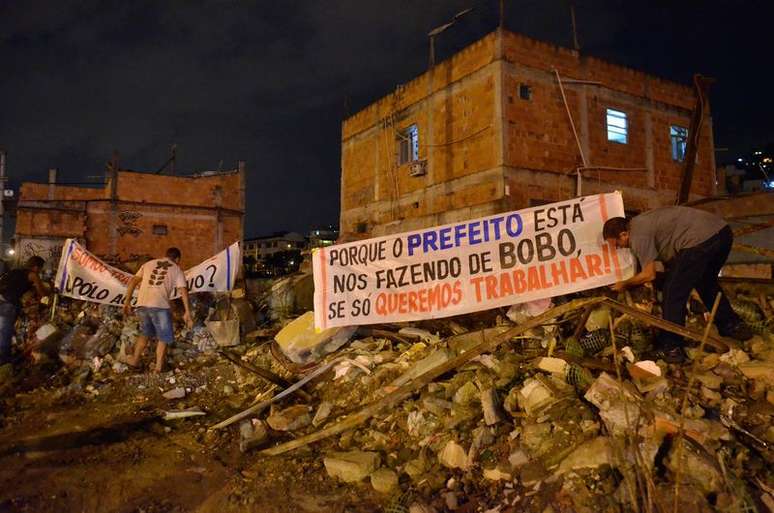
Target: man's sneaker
[674, 355]
[739, 331]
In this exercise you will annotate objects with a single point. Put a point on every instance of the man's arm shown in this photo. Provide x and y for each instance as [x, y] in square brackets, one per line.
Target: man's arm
[38, 284]
[130, 292]
[647, 274]
[183, 291]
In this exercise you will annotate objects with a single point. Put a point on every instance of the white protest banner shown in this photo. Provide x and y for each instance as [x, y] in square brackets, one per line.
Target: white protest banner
[81, 275]
[469, 266]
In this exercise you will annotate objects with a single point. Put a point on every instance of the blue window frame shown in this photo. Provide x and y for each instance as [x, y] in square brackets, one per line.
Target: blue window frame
[679, 137]
[617, 126]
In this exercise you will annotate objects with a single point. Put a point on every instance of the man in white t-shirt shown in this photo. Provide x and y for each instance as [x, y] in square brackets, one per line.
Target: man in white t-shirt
[158, 280]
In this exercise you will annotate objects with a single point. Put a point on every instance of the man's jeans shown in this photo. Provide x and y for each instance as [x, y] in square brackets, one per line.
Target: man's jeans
[7, 321]
[697, 268]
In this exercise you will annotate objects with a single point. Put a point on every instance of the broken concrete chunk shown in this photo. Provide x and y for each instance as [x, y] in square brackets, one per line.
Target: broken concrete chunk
[710, 380]
[322, 413]
[45, 331]
[645, 369]
[599, 318]
[618, 404]
[495, 474]
[552, 365]
[734, 357]
[290, 419]
[763, 371]
[491, 408]
[175, 393]
[384, 480]
[415, 468]
[302, 344]
[591, 454]
[518, 458]
[453, 456]
[534, 396]
[437, 406]
[511, 402]
[696, 466]
[352, 466]
[225, 333]
[466, 394]
[252, 433]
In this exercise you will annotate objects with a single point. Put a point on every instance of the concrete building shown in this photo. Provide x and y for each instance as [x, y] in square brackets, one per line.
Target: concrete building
[322, 236]
[133, 216]
[261, 247]
[487, 131]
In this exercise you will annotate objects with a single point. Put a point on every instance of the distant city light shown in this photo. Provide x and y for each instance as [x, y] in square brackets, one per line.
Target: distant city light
[758, 152]
[770, 185]
[767, 160]
[11, 251]
[740, 160]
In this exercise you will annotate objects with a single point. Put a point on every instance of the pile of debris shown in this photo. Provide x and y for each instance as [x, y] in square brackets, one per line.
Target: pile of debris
[482, 414]
[550, 406]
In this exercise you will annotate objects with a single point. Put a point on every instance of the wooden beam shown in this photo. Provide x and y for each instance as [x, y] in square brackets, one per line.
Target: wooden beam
[658, 322]
[700, 112]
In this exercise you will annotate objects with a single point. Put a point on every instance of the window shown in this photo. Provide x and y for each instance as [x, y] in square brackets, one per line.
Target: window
[159, 229]
[525, 92]
[616, 126]
[679, 137]
[408, 145]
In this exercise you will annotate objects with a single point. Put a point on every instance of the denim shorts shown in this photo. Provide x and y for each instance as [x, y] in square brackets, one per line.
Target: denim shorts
[156, 323]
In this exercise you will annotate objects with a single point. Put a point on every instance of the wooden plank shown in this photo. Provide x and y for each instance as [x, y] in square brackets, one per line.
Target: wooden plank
[658, 322]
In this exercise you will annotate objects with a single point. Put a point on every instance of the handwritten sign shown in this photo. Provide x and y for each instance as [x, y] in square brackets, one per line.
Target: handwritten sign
[475, 265]
[81, 275]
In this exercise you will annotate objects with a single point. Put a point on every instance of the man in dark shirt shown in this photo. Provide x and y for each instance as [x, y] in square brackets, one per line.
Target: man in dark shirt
[13, 285]
[693, 245]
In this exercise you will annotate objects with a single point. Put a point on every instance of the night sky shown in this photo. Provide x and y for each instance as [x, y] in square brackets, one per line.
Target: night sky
[269, 82]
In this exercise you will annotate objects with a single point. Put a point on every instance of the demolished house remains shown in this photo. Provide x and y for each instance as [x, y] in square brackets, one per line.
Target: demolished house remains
[513, 392]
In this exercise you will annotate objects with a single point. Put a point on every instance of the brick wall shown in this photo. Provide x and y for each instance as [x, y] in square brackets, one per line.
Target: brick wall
[453, 108]
[539, 135]
[492, 150]
[200, 215]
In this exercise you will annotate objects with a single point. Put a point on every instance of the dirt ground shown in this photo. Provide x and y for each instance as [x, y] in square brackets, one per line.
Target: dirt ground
[67, 450]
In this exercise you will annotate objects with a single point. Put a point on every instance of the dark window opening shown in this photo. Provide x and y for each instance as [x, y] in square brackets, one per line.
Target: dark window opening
[159, 229]
[525, 92]
[361, 227]
[408, 145]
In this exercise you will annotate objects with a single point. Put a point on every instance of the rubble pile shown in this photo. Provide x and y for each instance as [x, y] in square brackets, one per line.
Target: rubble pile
[574, 414]
[558, 419]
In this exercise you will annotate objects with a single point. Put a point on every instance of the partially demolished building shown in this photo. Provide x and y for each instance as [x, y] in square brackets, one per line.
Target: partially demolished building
[134, 215]
[489, 130]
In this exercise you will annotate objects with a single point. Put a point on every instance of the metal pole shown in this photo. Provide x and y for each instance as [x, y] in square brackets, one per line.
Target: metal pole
[2, 186]
[575, 44]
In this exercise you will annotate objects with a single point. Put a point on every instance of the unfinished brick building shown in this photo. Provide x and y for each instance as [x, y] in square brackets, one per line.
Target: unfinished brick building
[487, 131]
[134, 215]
